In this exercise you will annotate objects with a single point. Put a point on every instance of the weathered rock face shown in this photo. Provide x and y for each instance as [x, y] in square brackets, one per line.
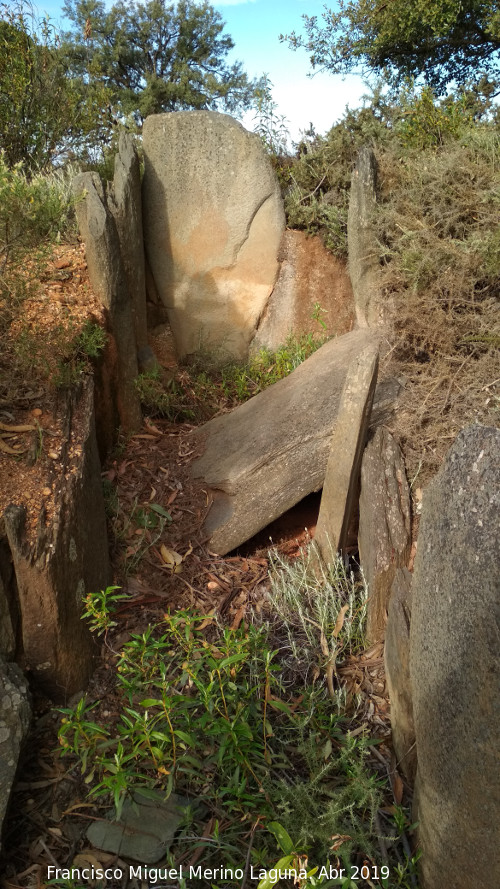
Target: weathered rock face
[109, 281]
[213, 221]
[341, 485]
[68, 560]
[397, 671]
[384, 536]
[269, 453]
[309, 277]
[455, 667]
[125, 203]
[15, 716]
[364, 268]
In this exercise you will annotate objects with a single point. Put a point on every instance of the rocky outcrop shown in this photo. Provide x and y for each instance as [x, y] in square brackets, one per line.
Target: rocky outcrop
[384, 536]
[272, 451]
[213, 221]
[455, 667]
[109, 281]
[68, 559]
[312, 293]
[341, 484]
[364, 266]
[397, 671]
[15, 717]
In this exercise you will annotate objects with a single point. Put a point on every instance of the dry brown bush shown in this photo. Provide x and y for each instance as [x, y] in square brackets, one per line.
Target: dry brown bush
[440, 245]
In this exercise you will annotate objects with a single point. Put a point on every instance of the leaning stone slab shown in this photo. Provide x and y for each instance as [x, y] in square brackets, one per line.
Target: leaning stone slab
[363, 249]
[213, 221]
[15, 717]
[269, 453]
[125, 203]
[384, 536]
[68, 559]
[341, 484]
[397, 671]
[455, 667]
[109, 281]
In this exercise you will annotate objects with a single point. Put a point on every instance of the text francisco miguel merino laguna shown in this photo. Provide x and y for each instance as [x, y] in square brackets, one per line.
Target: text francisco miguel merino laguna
[155, 875]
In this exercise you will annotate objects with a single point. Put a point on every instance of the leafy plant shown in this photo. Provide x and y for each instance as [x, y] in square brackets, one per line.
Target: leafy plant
[206, 386]
[99, 608]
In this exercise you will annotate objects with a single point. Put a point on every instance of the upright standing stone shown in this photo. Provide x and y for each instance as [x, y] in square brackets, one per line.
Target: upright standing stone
[66, 560]
[341, 485]
[384, 525]
[397, 672]
[364, 266]
[109, 281]
[213, 221]
[125, 203]
[455, 667]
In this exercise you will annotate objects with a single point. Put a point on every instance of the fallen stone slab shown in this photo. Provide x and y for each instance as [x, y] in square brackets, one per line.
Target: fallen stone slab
[213, 220]
[384, 536]
[455, 667]
[15, 718]
[269, 453]
[341, 484]
[145, 830]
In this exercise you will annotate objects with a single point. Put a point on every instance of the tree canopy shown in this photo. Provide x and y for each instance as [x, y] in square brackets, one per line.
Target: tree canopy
[444, 41]
[43, 110]
[156, 56]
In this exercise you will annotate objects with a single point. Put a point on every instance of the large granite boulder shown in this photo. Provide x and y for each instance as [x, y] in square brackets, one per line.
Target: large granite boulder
[213, 221]
[269, 453]
[455, 667]
[15, 717]
[384, 536]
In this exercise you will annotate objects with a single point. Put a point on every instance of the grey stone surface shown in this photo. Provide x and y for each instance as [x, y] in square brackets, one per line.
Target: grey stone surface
[363, 250]
[125, 203]
[68, 559]
[145, 829]
[272, 451]
[341, 484]
[15, 718]
[309, 277]
[109, 281]
[397, 671]
[455, 667]
[213, 221]
[384, 536]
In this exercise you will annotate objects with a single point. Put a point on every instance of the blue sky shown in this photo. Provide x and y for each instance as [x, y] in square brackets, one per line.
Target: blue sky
[255, 26]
